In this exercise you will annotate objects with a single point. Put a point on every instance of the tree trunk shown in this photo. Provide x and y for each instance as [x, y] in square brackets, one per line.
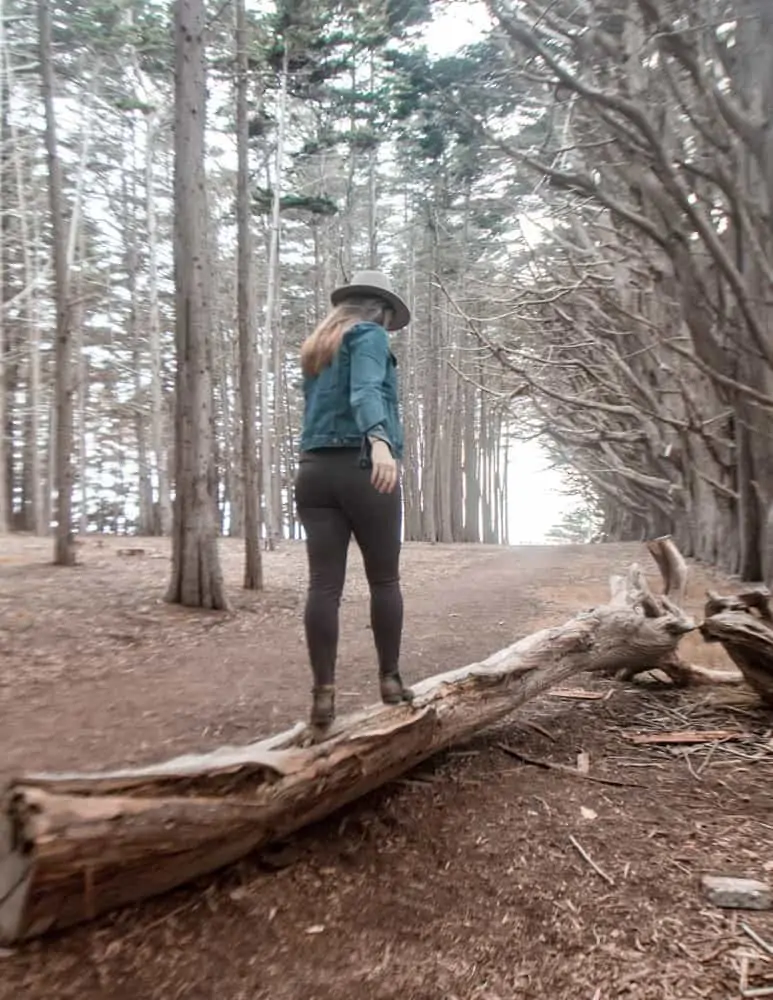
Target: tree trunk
[372, 175]
[164, 520]
[72, 847]
[82, 394]
[197, 578]
[83, 465]
[471, 487]
[64, 549]
[411, 411]
[5, 498]
[268, 472]
[253, 565]
[5, 486]
[40, 515]
[278, 413]
[144, 480]
[11, 342]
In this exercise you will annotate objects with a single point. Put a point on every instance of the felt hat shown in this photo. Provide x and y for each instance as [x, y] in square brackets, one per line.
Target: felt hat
[374, 284]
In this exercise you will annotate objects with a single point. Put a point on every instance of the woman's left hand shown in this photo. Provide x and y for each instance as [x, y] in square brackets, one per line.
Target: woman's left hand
[384, 475]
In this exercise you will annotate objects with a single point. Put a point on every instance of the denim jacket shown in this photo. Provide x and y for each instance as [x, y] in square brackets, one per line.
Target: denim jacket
[355, 395]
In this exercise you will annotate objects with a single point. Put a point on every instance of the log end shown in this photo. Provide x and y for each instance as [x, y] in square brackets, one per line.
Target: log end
[15, 877]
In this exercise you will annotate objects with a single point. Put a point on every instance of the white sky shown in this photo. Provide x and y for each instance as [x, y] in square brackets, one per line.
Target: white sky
[461, 23]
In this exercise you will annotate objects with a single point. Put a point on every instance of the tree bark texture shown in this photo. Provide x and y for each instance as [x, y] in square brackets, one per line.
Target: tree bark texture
[64, 549]
[743, 624]
[253, 566]
[197, 578]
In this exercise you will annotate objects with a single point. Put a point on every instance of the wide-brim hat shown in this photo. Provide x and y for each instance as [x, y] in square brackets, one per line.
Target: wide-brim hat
[376, 285]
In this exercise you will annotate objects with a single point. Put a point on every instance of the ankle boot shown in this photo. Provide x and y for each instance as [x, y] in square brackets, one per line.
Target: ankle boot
[393, 692]
[323, 706]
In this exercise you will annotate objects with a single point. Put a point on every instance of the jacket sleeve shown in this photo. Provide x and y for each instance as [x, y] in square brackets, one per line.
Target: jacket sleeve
[369, 356]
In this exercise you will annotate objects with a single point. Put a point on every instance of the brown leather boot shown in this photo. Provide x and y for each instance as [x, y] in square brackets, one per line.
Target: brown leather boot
[393, 692]
[323, 710]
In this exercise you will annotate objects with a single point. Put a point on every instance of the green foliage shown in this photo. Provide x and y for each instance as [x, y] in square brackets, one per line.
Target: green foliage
[104, 27]
[577, 527]
[315, 205]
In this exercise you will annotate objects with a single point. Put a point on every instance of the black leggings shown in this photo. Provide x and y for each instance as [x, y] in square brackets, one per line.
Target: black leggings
[335, 499]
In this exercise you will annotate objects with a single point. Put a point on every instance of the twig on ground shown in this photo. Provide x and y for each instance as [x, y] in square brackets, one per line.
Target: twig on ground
[164, 919]
[707, 759]
[760, 942]
[743, 975]
[537, 729]
[689, 736]
[686, 756]
[584, 854]
[564, 768]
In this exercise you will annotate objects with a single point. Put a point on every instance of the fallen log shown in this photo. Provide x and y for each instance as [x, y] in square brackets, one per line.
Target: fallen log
[73, 846]
[743, 624]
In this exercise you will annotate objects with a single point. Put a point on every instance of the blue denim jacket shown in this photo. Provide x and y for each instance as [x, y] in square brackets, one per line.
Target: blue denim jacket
[355, 395]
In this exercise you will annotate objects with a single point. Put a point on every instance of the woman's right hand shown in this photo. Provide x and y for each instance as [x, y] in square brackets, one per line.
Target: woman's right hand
[384, 475]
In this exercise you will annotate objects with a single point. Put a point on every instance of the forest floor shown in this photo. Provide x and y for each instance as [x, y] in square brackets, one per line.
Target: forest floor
[458, 882]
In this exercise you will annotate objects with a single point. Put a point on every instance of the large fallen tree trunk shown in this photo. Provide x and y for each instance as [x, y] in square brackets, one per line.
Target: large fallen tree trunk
[743, 624]
[74, 846]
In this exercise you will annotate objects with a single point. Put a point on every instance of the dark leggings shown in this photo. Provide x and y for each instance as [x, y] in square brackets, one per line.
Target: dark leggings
[335, 500]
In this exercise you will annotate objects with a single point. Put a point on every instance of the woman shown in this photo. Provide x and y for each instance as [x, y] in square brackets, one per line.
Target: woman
[348, 483]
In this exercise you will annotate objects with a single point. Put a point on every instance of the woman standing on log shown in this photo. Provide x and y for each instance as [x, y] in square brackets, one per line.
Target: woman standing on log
[348, 481]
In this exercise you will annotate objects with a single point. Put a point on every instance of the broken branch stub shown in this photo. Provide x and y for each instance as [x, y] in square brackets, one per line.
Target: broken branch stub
[73, 846]
[672, 566]
[743, 625]
[634, 591]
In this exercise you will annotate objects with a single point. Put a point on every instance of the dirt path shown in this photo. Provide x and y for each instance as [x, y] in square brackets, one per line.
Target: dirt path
[458, 883]
[95, 657]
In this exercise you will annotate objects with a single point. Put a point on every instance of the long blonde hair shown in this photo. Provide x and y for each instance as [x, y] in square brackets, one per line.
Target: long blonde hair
[321, 346]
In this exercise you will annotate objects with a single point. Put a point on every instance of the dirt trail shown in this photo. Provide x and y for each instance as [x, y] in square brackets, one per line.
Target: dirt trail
[458, 882]
[96, 659]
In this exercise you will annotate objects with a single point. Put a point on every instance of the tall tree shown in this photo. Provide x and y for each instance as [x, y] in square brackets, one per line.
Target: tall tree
[164, 520]
[64, 550]
[197, 578]
[5, 499]
[253, 565]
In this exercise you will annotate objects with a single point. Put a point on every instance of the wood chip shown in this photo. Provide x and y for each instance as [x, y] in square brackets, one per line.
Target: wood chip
[732, 893]
[687, 736]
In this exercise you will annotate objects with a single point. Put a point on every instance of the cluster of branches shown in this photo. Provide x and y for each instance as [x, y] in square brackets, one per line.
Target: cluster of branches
[638, 321]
